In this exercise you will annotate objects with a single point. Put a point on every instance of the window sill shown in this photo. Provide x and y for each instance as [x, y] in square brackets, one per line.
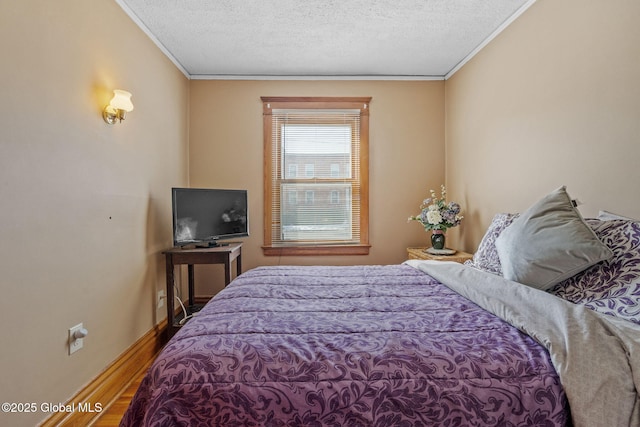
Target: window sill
[361, 249]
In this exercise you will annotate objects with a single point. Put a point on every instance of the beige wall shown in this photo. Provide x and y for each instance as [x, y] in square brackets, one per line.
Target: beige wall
[554, 100]
[86, 207]
[406, 155]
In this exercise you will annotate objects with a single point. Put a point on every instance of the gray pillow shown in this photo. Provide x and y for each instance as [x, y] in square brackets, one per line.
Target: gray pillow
[548, 243]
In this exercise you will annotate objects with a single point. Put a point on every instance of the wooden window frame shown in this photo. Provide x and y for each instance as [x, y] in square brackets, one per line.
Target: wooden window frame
[307, 103]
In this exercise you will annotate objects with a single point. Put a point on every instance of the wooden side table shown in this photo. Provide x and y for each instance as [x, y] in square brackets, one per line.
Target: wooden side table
[216, 255]
[419, 253]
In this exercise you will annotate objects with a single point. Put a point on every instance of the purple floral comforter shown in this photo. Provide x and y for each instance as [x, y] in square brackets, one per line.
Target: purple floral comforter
[347, 346]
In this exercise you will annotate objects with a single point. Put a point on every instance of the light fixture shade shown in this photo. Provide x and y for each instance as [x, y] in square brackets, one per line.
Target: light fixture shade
[121, 100]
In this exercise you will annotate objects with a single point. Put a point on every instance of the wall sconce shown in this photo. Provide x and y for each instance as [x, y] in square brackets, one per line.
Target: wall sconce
[119, 105]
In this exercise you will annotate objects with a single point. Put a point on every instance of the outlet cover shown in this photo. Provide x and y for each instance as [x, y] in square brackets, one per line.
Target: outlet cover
[161, 297]
[75, 343]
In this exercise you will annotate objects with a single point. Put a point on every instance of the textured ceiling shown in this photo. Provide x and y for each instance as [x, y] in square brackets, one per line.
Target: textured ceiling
[321, 38]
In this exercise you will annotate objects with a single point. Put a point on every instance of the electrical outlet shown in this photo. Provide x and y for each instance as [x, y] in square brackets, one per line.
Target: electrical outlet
[162, 295]
[76, 338]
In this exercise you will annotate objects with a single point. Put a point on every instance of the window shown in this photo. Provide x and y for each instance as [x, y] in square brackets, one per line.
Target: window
[309, 197]
[328, 139]
[293, 171]
[309, 168]
[293, 197]
[335, 197]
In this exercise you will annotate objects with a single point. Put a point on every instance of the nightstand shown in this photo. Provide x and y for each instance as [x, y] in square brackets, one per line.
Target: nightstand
[225, 254]
[419, 253]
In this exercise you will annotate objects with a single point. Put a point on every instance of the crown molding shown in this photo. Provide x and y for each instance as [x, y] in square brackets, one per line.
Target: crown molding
[311, 77]
[488, 40]
[153, 38]
[447, 76]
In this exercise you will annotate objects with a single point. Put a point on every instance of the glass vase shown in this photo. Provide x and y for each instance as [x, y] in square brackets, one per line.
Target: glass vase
[438, 239]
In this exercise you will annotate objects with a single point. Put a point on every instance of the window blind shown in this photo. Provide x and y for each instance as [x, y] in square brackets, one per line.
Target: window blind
[315, 156]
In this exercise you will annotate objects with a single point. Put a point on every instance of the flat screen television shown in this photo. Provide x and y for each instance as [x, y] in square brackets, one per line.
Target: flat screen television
[203, 216]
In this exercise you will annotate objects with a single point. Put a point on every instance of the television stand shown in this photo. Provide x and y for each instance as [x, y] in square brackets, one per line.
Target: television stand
[191, 256]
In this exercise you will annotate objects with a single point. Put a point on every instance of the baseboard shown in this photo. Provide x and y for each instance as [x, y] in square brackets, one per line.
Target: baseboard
[109, 384]
[202, 299]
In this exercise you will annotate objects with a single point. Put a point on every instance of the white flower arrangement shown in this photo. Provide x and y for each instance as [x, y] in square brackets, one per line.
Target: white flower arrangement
[437, 214]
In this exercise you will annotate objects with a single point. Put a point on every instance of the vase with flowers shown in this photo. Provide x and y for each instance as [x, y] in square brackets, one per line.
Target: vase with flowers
[436, 215]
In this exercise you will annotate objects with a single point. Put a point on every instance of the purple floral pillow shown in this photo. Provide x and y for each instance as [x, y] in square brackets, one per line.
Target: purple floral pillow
[486, 257]
[610, 287]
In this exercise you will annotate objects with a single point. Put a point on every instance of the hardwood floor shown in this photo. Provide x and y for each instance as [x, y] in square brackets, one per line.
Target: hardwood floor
[112, 416]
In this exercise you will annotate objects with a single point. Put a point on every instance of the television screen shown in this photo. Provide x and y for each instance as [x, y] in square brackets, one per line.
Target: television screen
[203, 216]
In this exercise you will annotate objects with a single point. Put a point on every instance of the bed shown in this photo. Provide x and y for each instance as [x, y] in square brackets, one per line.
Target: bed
[416, 344]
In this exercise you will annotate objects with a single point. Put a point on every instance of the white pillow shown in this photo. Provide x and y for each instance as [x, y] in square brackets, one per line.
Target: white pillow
[548, 243]
[610, 216]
